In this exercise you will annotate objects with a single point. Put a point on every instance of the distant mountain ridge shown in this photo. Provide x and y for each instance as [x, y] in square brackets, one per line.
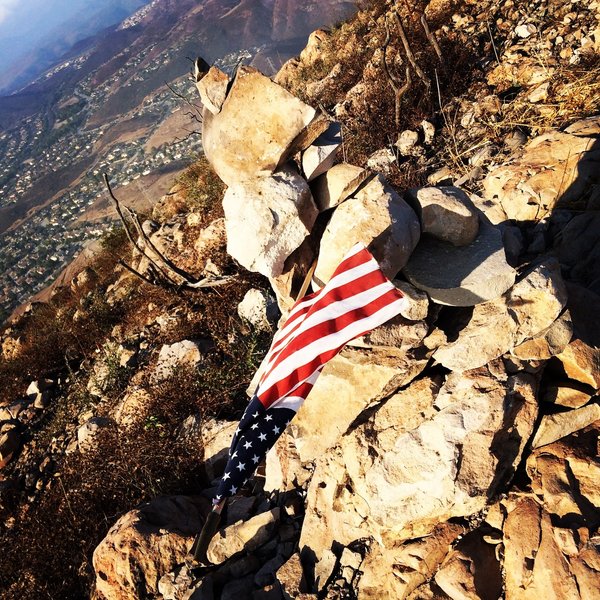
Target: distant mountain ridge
[210, 28]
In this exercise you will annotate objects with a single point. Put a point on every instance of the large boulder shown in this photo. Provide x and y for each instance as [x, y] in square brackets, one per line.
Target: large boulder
[212, 88]
[462, 275]
[145, 544]
[255, 130]
[10, 442]
[554, 166]
[426, 455]
[376, 216]
[267, 219]
[496, 327]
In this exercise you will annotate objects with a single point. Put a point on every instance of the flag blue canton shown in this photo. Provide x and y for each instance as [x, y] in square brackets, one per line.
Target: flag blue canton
[257, 432]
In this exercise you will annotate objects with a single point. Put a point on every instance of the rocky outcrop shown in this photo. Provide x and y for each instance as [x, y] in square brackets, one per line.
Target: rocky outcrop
[555, 166]
[144, 545]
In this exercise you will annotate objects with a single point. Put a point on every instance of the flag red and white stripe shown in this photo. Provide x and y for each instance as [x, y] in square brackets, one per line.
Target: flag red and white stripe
[358, 298]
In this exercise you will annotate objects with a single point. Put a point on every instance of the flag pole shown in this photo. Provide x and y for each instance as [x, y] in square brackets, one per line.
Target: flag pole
[200, 546]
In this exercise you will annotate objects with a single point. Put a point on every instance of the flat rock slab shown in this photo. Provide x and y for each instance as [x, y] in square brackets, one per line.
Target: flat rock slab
[446, 213]
[462, 276]
[555, 427]
[256, 128]
[321, 154]
[379, 218]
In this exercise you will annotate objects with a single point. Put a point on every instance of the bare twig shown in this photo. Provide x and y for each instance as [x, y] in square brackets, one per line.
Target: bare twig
[493, 43]
[186, 100]
[431, 37]
[409, 53]
[160, 266]
[398, 91]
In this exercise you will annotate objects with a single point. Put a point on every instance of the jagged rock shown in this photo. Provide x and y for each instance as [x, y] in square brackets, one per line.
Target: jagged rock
[554, 427]
[443, 456]
[568, 395]
[212, 88]
[187, 353]
[132, 407]
[259, 309]
[446, 213]
[393, 574]
[244, 535]
[579, 249]
[417, 307]
[238, 589]
[377, 217]
[548, 343]
[465, 275]
[291, 577]
[10, 442]
[471, 570]
[559, 165]
[354, 379]
[565, 478]
[337, 184]
[543, 560]
[210, 239]
[87, 433]
[267, 219]
[396, 333]
[321, 154]
[530, 307]
[255, 131]
[581, 362]
[145, 544]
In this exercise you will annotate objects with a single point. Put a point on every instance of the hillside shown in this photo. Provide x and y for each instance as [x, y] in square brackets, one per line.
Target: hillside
[451, 451]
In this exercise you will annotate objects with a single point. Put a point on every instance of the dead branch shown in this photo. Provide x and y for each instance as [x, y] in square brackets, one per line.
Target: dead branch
[432, 40]
[186, 100]
[160, 266]
[409, 53]
[394, 83]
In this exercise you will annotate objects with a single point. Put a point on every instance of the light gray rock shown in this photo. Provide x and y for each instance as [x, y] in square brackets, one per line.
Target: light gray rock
[465, 275]
[321, 154]
[417, 307]
[408, 143]
[255, 131]
[447, 213]
[267, 219]
[187, 353]
[212, 88]
[381, 161]
[259, 309]
[379, 218]
[337, 184]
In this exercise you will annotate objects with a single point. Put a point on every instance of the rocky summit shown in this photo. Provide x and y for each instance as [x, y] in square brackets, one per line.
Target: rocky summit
[453, 453]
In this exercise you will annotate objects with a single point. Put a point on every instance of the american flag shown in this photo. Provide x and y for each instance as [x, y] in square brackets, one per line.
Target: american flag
[357, 299]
